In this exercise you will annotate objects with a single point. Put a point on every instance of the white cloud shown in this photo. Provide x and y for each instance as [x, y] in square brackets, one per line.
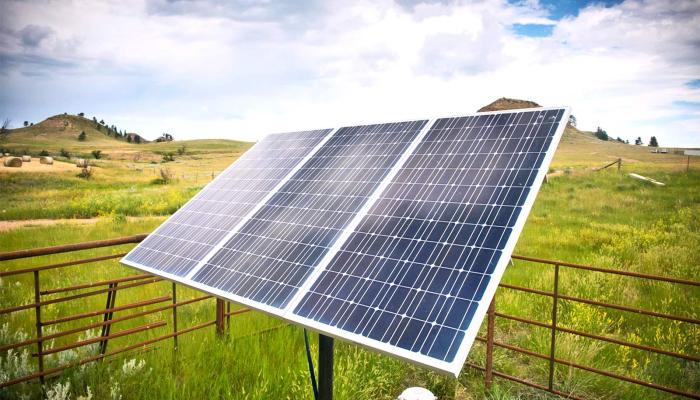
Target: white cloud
[247, 68]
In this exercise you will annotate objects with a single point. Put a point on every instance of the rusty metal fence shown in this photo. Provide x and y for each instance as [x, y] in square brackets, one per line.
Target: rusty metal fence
[110, 288]
[223, 314]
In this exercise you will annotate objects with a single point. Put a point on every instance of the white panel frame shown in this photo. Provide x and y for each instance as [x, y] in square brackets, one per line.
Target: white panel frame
[457, 364]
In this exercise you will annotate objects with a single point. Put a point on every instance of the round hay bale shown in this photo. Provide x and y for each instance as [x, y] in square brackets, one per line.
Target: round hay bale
[46, 160]
[81, 163]
[26, 158]
[12, 162]
[7, 154]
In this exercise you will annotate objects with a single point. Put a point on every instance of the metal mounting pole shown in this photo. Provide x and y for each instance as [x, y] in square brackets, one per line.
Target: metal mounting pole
[325, 367]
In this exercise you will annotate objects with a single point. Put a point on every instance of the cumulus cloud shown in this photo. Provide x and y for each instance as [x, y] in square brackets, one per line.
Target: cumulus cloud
[245, 68]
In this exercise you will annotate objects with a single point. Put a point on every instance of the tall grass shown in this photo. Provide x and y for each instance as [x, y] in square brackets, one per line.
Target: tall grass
[603, 219]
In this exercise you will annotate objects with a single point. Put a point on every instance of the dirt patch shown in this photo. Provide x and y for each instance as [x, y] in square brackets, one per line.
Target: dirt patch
[36, 166]
[10, 225]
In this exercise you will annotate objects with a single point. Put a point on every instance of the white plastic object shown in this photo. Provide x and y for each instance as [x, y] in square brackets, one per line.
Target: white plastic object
[416, 393]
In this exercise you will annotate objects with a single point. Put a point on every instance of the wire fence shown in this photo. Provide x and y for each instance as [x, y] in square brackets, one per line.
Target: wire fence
[169, 303]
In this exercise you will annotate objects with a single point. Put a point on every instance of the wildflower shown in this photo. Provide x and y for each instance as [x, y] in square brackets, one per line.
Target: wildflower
[132, 367]
[88, 395]
[59, 392]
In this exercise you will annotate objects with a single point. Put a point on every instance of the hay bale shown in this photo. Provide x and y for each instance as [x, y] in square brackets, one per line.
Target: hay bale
[26, 158]
[81, 163]
[12, 162]
[46, 160]
[7, 154]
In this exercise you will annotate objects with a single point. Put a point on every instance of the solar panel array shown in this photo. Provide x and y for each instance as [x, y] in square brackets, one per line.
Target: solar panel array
[393, 236]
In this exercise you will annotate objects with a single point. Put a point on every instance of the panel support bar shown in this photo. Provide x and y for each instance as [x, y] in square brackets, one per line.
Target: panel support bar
[325, 367]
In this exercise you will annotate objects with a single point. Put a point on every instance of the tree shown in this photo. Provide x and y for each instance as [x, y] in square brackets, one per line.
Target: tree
[4, 129]
[44, 153]
[128, 138]
[638, 141]
[102, 122]
[601, 134]
[653, 142]
[572, 120]
[137, 139]
[65, 153]
[26, 123]
[97, 154]
[81, 114]
[82, 136]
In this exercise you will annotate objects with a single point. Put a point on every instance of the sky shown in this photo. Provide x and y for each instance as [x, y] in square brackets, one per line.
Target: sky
[244, 68]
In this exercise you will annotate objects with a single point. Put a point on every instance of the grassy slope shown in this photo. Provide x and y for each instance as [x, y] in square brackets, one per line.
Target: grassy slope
[61, 131]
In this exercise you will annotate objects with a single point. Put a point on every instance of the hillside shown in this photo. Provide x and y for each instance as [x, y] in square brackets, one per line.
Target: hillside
[581, 149]
[62, 132]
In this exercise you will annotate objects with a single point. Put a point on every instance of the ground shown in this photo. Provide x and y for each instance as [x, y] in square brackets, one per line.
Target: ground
[585, 216]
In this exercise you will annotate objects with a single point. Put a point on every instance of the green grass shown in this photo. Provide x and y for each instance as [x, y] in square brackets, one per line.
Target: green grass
[602, 218]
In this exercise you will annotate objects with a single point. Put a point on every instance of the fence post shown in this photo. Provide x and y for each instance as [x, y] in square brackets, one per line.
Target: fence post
[552, 348]
[491, 314]
[111, 299]
[37, 310]
[174, 297]
[228, 315]
[220, 312]
[619, 164]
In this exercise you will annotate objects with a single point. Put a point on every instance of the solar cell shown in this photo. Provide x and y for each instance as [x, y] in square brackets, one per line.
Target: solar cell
[185, 239]
[272, 254]
[416, 275]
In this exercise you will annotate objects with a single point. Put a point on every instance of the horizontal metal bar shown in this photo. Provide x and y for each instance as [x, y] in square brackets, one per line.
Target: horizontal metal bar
[42, 251]
[526, 382]
[54, 370]
[603, 304]
[76, 296]
[112, 321]
[595, 370]
[95, 284]
[106, 310]
[60, 265]
[102, 338]
[245, 310]
[601, 338]
[609, 271]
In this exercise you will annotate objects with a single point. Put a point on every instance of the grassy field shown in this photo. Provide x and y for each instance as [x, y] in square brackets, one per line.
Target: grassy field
[603, 218]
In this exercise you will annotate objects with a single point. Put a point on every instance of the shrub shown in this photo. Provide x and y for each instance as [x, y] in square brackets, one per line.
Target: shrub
[44, 153]
[82, 136]
[167, 157]
[85, 173]
[97, 154]
[65, 153]
[181, 150]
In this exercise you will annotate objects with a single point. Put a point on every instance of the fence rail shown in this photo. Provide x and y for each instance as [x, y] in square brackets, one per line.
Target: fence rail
[223, 314]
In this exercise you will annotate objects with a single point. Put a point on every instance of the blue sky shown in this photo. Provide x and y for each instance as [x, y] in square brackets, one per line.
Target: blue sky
[244, 68]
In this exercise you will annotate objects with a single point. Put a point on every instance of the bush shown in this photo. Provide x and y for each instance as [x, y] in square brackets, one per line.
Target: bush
[97, 154]
[65, 153]
[85, 173]
[82, 136]
[44, 153]
[166, 176]
[167, 157]
[182, 150]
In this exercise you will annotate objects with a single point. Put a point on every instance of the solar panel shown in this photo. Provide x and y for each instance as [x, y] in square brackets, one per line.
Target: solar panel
[272, 254]
[394, 236]
[179, 244]
[417, 274]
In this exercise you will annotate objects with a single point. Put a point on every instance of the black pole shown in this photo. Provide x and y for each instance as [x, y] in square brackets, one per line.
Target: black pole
[325, 367]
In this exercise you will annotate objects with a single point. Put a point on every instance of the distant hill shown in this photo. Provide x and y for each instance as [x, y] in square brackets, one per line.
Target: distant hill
[505, 103]
[65, 130]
